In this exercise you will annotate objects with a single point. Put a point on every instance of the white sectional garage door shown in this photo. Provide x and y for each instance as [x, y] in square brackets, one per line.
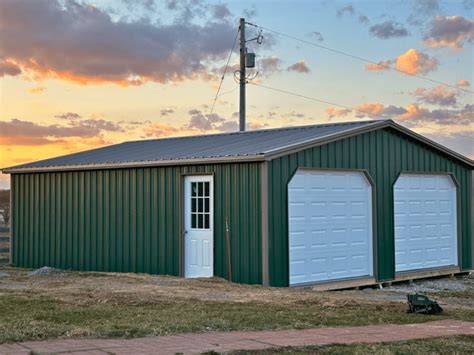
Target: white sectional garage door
[330, 226]
[425, 222]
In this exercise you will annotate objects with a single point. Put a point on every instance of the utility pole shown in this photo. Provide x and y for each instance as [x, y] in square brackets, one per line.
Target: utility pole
[242, 76]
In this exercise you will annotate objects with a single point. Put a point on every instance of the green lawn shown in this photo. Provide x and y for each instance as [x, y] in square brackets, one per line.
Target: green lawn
[28, 316]
[113, 305]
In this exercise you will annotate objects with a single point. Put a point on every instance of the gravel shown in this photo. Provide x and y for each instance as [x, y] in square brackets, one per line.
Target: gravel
[45, 271]
[4, 274]
[457, 284]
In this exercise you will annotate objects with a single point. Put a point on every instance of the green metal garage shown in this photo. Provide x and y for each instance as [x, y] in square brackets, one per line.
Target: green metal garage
[322, 204]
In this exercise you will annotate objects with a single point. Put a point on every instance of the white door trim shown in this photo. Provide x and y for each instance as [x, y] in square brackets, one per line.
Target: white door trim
[198, 218]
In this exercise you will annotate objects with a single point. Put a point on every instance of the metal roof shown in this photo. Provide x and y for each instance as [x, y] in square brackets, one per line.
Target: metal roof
[246, 146]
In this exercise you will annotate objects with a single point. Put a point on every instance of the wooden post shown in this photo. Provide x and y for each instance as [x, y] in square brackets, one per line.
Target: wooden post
[227, 238]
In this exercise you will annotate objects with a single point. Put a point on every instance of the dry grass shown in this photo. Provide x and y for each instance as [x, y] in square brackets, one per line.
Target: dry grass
[442, 345]
[75, 304]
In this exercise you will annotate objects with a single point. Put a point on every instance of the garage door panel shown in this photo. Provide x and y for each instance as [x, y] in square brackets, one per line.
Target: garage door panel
[425, 222]
[330, 235]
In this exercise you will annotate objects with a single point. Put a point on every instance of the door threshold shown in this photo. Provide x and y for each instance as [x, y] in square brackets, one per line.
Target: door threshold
[338, 284]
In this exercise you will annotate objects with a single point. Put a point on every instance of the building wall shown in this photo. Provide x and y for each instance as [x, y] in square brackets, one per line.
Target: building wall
[130, 219]
[385, 154]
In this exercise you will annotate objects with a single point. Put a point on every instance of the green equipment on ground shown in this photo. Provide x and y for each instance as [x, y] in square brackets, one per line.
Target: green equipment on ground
[418, 303]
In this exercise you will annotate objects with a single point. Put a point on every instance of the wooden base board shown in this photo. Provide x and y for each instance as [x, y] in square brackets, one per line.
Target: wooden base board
[370, 281]
[342, 284]
[423, 274]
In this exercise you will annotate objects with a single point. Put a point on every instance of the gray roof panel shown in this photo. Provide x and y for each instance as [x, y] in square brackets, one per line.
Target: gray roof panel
[226, 145]
[243, 146]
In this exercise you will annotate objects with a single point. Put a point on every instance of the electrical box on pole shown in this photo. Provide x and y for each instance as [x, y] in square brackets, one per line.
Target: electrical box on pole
[250, 60]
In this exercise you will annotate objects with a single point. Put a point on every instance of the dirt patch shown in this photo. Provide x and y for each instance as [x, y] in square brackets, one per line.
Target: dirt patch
[130, 288]
[452, 293]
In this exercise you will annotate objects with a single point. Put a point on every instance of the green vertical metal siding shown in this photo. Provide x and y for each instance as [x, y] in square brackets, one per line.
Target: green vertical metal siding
[129, 219]
[384, 154]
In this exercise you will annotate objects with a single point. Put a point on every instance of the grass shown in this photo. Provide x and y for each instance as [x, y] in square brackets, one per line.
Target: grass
[442, 345]
[103, 305]
[30, 316]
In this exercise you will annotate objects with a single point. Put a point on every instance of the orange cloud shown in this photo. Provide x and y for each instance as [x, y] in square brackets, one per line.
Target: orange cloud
[410, 62]
[380, 66]
[370, 109]
[463, 83]
[165, 130]
[413, 112]
[332, 112]
[414, 62]
[257, 125]
[299, 67]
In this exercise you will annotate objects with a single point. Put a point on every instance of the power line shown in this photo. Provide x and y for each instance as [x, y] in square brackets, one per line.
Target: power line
[360, 58]
[228, 92]
[312, 98]
[345, 107]
[225, 71]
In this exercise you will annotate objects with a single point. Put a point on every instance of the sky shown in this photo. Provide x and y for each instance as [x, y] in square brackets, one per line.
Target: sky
[75, 75]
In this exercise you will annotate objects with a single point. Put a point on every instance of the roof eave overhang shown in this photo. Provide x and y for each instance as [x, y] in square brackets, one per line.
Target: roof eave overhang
[269, 155]
[359, 130]
[137, 164]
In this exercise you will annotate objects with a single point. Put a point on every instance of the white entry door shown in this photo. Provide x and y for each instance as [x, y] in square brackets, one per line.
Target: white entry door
[425, 222]
[199, 229]
[330, 226]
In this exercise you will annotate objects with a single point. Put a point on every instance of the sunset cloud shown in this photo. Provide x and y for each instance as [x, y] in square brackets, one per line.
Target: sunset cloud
[436, 96]
[380, 66]
[413, 114]
[101, 50]
[20, 132]
[374, 110]
[8, 68]
[416, 62]
[161, 130]
[410, 62]
[332, 112]
[450, 31]
[299, 67]
[462, 117]
[463, 83]
[369, 109]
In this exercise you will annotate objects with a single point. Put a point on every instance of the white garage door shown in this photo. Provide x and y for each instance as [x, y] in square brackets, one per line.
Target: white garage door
[425, 222]
[330, 226]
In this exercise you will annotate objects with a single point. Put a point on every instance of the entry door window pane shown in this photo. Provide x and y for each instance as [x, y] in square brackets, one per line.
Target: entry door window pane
[200, 205]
